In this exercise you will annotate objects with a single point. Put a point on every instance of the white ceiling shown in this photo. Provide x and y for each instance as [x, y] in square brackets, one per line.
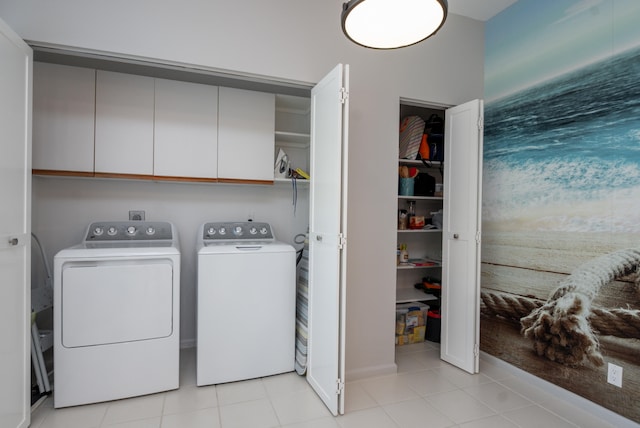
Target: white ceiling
[482, 10]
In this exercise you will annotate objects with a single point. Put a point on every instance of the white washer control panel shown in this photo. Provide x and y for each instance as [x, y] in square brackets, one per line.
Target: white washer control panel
[237, 231]
[129, 231]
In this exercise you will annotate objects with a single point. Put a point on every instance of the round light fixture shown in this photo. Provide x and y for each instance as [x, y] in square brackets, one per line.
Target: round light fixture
[392, 24]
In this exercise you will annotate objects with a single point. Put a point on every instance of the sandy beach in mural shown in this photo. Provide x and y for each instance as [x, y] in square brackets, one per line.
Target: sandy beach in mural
[527, 267]
[533, 263]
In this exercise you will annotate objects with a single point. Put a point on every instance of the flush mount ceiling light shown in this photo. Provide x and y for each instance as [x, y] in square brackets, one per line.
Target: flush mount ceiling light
[391, 24]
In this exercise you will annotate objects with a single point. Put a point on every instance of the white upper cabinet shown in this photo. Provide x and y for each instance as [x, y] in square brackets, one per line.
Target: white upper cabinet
[63, 118]
[186, 130]
[94, 121]
[246, 127]
[124, 123]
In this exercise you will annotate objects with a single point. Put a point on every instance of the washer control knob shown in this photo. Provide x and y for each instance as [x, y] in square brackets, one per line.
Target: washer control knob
[112, 230]
[263, 230]
[98, 231]
[211, 231]
[253, 230]
[131, 230]
[237, 230]
[222, 230]
[151, 230]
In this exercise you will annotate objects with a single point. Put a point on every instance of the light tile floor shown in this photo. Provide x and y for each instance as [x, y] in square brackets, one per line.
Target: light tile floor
[426, 392]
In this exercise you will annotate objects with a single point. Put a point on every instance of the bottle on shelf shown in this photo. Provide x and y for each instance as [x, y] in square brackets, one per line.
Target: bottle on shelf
[411, 210]
[403, 220]
[404, 254]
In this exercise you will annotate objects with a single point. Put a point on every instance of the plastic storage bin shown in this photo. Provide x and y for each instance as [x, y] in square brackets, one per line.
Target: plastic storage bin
[411, 322]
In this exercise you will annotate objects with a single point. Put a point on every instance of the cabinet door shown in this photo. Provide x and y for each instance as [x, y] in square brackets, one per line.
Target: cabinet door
[461, 236]
[124, 123]
[327, 237]
[186, 129]
[63, 117]
[15, 228]
[246, 134]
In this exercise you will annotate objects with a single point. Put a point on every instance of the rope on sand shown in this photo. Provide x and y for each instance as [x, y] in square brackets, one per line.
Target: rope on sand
[562, 328]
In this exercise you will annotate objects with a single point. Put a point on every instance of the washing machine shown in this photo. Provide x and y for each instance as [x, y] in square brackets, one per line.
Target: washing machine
[117, 313]
[246, 303]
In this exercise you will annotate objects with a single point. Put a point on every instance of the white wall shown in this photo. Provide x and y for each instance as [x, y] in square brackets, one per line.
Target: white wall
[288, 40]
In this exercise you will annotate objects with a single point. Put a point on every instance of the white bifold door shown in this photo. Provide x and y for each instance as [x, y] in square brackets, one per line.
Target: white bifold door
[16, 62]
[460, 336]
[328, 237]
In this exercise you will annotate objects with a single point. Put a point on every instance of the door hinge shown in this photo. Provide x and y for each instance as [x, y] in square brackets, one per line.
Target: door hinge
[339, 386]
[480, 123]
[476, 350]
[344, 95]
[342, 241]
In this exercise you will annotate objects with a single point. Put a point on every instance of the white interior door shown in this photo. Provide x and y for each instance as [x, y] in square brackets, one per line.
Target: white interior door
[461, 236]
[15, 228]
[327, 237]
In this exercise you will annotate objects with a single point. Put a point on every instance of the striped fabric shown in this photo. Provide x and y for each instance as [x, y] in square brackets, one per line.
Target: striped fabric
[411, 130]
[302, 309]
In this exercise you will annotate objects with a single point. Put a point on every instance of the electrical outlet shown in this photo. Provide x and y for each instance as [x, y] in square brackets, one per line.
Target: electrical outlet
[136, 215]
[614, 376]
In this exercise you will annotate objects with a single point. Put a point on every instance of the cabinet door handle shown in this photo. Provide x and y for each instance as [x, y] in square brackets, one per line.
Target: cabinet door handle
[13, 241]
[456, 236]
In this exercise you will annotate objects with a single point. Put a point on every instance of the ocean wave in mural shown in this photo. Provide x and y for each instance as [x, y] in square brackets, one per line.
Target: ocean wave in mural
[560, 288]
[565, 155]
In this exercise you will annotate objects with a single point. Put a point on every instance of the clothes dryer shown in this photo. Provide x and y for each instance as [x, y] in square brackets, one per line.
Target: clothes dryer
[117, 313]
[246, 303]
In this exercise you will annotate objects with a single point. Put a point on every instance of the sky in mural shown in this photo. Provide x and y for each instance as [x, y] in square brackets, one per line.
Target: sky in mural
[562, 35]
[562, 134]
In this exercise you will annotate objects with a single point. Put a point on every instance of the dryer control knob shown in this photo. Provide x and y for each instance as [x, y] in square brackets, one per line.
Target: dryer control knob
[263, 230]
[131, 230]
[151, 230]
[112, 231]
[98, 231]
[222, 231]
[253, 230]
[237, 230]
[211, 231]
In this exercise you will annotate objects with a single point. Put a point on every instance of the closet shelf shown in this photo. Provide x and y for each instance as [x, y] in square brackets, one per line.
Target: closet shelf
[406, 295]
[292, 139]
[420, 264]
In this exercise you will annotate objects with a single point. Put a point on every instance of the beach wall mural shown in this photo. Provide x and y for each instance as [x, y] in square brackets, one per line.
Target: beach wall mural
[561, 195]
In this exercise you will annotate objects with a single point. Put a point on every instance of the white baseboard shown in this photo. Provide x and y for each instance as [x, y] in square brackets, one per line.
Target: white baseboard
[617, 420]
[387, 369]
